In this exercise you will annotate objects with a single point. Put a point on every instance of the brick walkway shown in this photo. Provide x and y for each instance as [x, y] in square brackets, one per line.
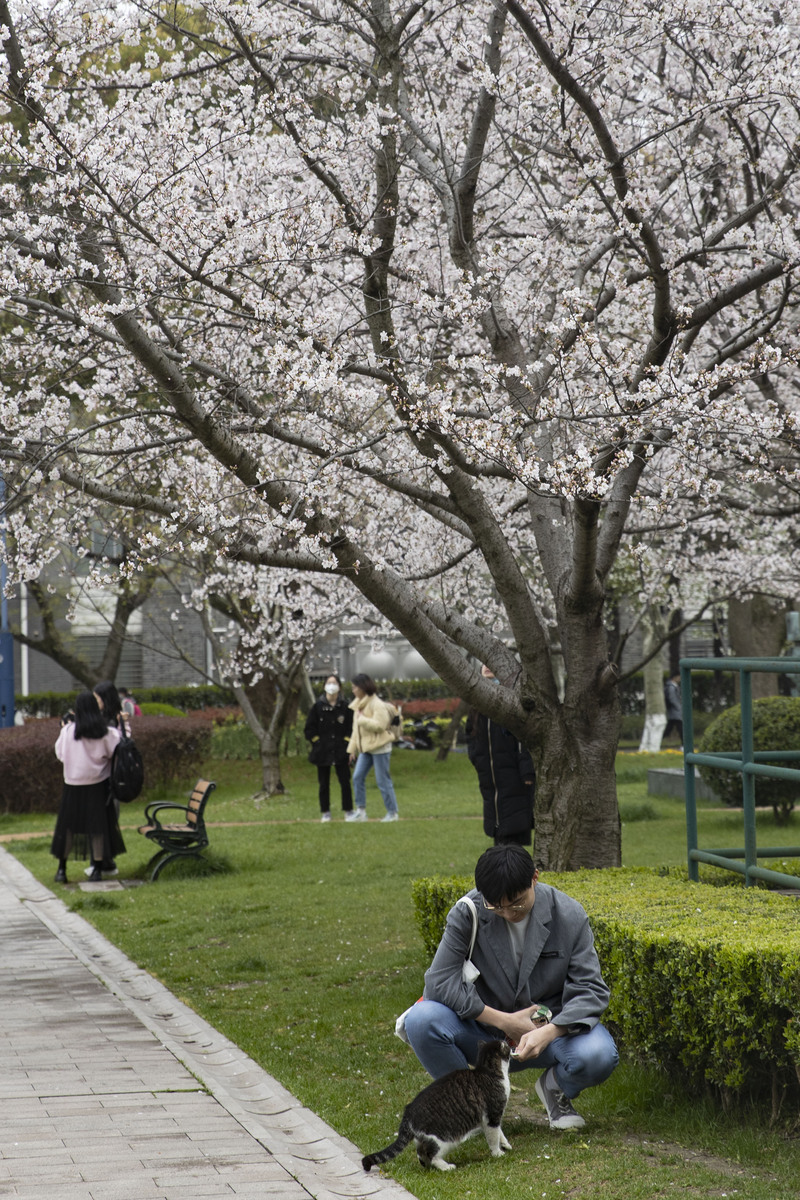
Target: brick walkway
[112, 1089]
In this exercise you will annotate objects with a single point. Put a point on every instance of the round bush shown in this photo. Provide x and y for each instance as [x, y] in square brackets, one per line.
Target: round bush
[776, 726]
[161, 710]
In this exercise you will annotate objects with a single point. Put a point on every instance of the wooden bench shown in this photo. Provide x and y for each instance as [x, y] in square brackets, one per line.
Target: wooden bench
[185, 839]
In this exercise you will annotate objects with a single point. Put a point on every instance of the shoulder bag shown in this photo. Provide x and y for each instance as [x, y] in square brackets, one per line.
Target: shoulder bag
[469, 972]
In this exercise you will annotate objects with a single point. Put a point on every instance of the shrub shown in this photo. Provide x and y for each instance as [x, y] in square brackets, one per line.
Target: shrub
[399, 691]
[412, 709]
[187, 699]
[160, 710]
[234, 741]
[31, 776]
[776, 726]
[704, 980]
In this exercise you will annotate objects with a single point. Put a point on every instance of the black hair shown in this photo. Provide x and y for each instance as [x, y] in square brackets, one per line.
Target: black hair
[89, 720]
[365, 683]
[112, 705]
[503, 872]
[332, 675]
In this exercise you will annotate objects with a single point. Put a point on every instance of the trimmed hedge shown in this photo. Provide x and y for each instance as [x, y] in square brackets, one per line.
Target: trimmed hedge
[710, 690]
[776, 726]
[31, 776]
[189, 699]
[705, 980]
[399, 690]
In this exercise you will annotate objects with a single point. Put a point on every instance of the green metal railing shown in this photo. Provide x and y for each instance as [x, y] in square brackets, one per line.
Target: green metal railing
[748, 762]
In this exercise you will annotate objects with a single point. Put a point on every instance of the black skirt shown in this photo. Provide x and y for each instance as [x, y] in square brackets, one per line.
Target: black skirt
[86, 814]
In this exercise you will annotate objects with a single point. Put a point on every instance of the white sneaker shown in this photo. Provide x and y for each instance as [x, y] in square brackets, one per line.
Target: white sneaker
[358, 814]
[390, 817]
[325, 817]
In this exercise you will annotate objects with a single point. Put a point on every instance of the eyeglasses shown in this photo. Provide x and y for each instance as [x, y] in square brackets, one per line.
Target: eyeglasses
[518, 906]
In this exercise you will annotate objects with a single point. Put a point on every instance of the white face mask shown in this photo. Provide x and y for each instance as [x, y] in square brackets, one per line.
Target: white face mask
[331, 689]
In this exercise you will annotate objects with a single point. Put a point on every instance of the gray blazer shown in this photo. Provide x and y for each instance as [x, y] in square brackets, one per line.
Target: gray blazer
[559, 965]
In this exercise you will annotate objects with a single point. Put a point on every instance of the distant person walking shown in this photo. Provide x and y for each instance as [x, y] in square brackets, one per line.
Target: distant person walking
[329, 727]
[674, 706]
[129, 705]
[86, 826]
[506, 778]
[370, 746]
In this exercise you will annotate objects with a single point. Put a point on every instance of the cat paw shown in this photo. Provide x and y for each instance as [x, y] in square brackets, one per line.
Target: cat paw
[442, 1165]
[504, 1143]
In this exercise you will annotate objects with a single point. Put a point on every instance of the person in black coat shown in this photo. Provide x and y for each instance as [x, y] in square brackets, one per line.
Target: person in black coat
[328, 727]
[506, 778]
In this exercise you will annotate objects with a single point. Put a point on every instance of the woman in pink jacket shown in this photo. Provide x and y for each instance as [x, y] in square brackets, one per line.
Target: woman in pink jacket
[86, 826]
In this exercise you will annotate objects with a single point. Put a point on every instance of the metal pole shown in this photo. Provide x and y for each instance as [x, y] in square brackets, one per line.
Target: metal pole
[6, 636]
[748, 780]
[688, 771]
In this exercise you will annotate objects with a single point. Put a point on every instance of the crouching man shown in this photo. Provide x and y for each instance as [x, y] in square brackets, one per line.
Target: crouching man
[533, 948]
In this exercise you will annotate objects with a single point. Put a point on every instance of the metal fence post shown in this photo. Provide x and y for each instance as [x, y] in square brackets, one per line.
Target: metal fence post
[748, 779]
[688, 772]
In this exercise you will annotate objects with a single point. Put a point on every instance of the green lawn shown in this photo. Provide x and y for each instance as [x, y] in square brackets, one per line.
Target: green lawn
[301, 947]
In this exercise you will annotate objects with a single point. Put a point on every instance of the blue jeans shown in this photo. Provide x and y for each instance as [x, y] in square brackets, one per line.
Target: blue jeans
[443, 1042]
[382, 777]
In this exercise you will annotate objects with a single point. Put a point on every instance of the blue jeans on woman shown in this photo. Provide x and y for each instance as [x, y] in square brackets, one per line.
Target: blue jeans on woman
[382, 777]
[443, 1042]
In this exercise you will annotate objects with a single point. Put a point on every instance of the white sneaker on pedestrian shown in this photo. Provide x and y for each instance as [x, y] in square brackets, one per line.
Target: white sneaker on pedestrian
[358, 814]
[325, 817]
[560, 1112]
[390, 817]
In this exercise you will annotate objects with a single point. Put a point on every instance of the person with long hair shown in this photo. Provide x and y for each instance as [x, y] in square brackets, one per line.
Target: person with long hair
[86, 826]
[110, 701]
[370, 746]
[328, 728]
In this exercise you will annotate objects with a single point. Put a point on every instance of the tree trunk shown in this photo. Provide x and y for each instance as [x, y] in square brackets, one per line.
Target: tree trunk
[269, 750]
[576, 815]
[447, 739]
[757, 629]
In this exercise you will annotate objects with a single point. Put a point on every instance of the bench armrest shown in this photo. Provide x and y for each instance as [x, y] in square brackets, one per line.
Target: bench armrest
[152, 809]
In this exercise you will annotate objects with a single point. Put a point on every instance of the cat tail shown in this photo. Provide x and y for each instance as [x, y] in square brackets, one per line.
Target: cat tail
[404, 1136]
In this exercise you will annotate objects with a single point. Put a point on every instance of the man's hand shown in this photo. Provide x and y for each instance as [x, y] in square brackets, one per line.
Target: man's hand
[534, 1041]
[515, 1026]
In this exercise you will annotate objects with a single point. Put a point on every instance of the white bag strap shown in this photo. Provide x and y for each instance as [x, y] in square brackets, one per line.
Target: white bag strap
[471, 905]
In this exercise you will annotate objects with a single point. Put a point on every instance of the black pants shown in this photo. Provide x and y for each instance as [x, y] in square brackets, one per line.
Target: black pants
[342, 770]
[674, 723]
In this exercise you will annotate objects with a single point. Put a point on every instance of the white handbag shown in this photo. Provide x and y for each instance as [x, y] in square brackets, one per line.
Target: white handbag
[469, 972]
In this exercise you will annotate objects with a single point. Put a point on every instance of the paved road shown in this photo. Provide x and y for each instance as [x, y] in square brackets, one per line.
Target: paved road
[112, 1089]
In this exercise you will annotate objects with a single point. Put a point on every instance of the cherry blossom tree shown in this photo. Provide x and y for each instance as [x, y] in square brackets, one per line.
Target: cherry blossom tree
[275, 618]
[443, 300]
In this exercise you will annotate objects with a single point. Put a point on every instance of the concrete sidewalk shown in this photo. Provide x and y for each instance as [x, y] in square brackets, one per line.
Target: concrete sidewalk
[112, 1089]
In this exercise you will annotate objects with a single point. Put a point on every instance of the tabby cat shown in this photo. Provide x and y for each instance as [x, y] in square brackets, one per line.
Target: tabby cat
[452, 1108]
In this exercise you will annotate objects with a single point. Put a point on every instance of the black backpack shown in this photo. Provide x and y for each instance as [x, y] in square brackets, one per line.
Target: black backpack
[127, 770]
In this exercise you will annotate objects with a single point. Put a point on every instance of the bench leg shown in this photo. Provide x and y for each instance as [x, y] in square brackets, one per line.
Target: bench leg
[169, 858]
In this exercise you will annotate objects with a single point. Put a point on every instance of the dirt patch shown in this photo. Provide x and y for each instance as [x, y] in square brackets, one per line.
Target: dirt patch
[520, 1109]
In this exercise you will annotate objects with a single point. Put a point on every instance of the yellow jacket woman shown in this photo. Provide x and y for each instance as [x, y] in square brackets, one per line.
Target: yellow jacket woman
[371, 742]
[371, 720]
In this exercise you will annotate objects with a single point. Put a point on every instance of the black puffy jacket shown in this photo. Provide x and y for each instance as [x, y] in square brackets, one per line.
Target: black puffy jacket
[328, 727]
[505, 776]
